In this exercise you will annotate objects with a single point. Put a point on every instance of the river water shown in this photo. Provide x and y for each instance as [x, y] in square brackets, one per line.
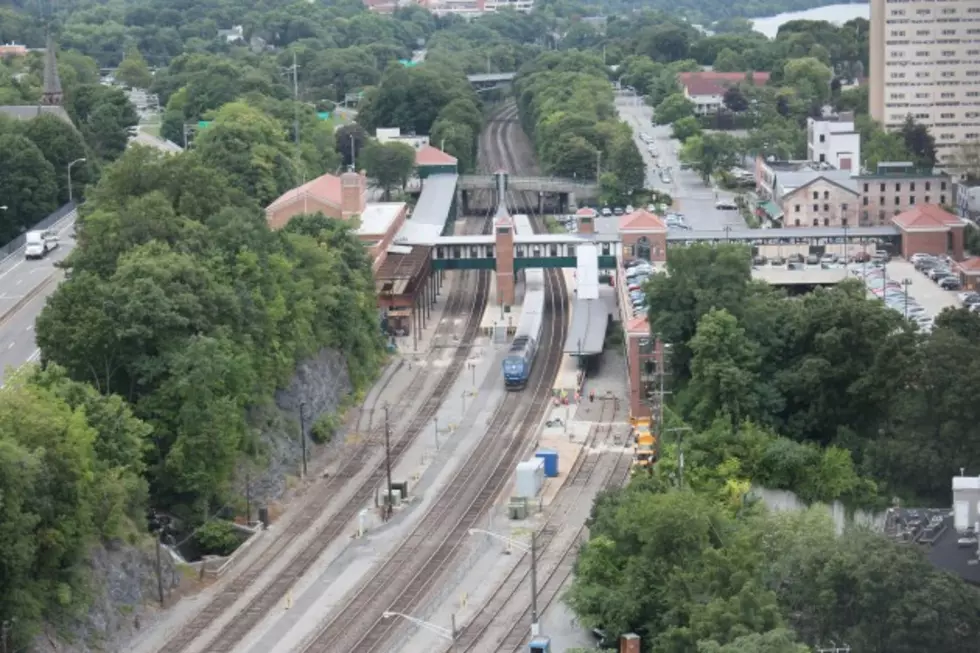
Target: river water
[837, 14]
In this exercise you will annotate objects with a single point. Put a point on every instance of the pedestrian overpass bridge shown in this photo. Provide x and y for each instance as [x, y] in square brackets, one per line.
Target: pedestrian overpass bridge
[569, 193]
[491, 80]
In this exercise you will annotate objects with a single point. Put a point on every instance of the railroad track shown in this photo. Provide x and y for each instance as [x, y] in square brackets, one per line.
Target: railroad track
[577, 487]
[412, 570]
[461, 302]
[405, 578]
[549, 589]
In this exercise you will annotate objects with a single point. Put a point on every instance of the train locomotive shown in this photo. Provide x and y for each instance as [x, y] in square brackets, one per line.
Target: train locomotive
[520, 359]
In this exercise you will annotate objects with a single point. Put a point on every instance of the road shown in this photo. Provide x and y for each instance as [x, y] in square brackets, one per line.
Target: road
[22, 280]
[692, 196]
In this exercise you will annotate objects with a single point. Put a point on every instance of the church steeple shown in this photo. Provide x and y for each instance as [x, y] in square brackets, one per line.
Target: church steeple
[51, 95]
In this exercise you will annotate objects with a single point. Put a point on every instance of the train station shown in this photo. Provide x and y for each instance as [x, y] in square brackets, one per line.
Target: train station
[413, 248]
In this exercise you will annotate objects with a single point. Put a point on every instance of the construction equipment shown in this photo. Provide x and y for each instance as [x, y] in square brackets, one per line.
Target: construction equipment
[645, 447]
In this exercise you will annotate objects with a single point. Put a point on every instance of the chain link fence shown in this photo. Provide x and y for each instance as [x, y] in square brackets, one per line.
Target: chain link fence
[10, 248]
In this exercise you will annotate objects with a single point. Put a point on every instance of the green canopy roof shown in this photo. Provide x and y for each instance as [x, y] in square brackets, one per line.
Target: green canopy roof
[771, 209]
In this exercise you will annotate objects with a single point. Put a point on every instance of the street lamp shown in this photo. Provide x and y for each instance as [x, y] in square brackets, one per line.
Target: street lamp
[533, 550]
[445, 633]
[81, 160]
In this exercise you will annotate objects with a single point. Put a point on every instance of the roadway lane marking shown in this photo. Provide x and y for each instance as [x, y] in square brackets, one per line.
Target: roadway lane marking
[12, 268]
[30, 327]
[11, 345]
[33, 357]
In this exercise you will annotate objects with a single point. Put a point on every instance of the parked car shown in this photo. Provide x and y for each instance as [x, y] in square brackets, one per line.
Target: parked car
[860, 257]
[813, 259]
[629, 208]
[606, 211]
[915, 258]
[828, 258]
[617, 211]
[777, 260]
[725, 205]
[938, 273]
[950, 283]
[969, 298]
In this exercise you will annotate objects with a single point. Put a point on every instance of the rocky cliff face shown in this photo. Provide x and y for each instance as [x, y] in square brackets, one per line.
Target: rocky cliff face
[124, 593]
[321, 383]
[123, 589]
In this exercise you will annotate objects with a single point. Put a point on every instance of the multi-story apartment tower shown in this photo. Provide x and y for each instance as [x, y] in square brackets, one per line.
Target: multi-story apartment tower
[925, 61]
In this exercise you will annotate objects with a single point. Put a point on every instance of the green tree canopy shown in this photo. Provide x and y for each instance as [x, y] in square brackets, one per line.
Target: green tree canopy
[133, 70]
[389, 164]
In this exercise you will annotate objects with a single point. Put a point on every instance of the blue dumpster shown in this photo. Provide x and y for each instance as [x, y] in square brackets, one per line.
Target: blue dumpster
[550, 457]
[540, 644]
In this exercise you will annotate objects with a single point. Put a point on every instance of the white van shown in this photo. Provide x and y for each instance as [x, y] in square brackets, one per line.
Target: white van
[39, 243]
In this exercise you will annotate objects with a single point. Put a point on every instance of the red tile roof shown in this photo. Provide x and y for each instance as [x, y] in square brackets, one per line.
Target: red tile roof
[433, 156]
[325, 188]
[638, 325]
[586, 212]
[641, 220]
[712, 83]
[970, 266]
[927, 217]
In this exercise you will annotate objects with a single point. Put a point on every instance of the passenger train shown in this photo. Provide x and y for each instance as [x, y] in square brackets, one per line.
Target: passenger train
[520, 359]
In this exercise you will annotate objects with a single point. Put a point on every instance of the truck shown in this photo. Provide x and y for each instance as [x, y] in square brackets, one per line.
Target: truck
[645, 449]
[39, 244]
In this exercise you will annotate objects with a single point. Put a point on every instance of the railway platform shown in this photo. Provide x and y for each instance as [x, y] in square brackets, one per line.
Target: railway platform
[569, 379]
[498, 323]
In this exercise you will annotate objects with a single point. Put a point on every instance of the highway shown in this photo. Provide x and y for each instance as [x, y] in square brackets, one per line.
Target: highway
[24, 287]
[692, 196]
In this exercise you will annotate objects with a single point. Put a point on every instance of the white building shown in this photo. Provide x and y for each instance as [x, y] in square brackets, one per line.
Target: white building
[474, 7]
[394, 135]
[834, 141]
[707, 89]
[925, 62]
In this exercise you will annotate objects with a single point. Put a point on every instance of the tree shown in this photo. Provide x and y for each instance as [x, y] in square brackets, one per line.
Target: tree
[735, 100]
[628, 165]
[251, 148]
[810, 78]
[61, 144]
[723, 370]
[728, 61]
[673, 108]
[133, 70]
[105, 117]
[883, 146]
[919, 142]
[27, 186]
[700, 278]
[351, 140]
[390, 164]
[710, 153]
[456, 139]
[685, 128]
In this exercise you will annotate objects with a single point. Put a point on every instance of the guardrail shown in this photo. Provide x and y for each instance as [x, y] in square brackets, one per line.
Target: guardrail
[11, 248]
[26, 299]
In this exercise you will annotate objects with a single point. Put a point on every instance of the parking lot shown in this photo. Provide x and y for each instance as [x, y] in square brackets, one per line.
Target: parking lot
[910, 291]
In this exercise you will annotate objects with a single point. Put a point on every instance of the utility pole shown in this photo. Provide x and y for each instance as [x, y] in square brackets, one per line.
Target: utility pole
[598, 164]
[535, 626]
[159, 566]
[388, 507]
[353, 154]
[248, 498]
[302, 432]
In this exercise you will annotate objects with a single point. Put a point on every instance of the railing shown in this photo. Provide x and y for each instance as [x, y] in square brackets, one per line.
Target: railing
[10, 248]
